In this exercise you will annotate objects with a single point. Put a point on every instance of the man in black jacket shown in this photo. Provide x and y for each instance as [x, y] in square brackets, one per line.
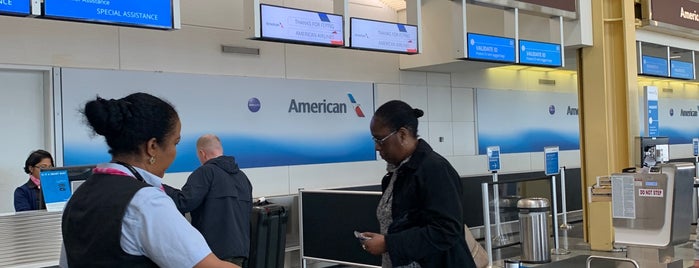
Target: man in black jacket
[218, 196]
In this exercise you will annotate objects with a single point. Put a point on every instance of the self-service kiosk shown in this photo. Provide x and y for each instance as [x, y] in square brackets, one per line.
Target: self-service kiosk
[650, 212]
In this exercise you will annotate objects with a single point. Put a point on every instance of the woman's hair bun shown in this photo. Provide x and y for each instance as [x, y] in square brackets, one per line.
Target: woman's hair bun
[418, 113]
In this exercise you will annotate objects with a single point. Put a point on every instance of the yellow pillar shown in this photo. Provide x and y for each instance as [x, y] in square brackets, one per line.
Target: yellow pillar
[607, 77]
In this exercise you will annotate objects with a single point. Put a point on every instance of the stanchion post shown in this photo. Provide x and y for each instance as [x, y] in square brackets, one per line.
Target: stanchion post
[499, 239]
[486, 223]
[554, 214]
[563, 200]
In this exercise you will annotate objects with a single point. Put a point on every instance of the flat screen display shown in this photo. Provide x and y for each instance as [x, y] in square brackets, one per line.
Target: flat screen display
[653, 66]
[539, 53]
[300, 26]
[681, 69]
[383, 36]
[490, 48]
[146, 13]
[57, 184]
[14, 7]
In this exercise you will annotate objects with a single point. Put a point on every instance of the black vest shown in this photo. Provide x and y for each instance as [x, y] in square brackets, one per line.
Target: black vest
[92, 223]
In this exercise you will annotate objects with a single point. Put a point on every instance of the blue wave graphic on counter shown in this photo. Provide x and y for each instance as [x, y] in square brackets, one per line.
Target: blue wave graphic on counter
[250, 152]
[530, 141]
[677, 136]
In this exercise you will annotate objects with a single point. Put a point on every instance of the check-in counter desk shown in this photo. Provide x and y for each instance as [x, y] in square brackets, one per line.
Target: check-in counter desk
[30, 239]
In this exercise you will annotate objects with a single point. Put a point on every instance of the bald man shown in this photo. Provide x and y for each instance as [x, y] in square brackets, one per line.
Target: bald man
[218, 196]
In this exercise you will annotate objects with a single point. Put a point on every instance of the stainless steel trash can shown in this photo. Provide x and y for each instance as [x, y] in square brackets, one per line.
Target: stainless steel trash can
[533, 230]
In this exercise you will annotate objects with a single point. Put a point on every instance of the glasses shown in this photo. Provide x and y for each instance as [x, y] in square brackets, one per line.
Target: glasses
[380, 141]
[43, 166]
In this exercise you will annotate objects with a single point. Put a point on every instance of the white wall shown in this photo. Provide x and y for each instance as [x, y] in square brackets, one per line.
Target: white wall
[23, 128]
[446, 98]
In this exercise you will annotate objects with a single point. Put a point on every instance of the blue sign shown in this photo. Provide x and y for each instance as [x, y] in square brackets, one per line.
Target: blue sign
[539, 53]
[551, 160]
[149, 13]
[653, 66]
[14, 7]
[653, 119]
[695, 145]
[653, 122]
[490, 48]
[55, 186]
[681, 69]
[493, 158]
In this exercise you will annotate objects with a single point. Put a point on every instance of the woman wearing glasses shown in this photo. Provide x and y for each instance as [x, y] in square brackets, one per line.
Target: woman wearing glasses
[28, 196]
[420, 212]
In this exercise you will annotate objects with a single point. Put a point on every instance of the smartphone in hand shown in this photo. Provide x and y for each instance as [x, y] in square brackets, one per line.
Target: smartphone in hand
[361, 237]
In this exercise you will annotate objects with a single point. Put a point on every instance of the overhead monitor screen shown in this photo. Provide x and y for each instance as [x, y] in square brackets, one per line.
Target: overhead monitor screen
[300, 26]
[539, 53]
[14, 7]
[653, 66]
[490, 48]
[148, 14]
[383, 36]
[681, 69]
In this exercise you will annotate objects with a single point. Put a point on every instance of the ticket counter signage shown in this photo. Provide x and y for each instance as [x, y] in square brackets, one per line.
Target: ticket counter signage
[539, 53]
[292, 25]
[681, 69]
[652, 119]
[679, 15]
[383, 36]
[551, 160]
[655, 66]
[490, 48]
[148, 14]
[493, 158]
[14, 7]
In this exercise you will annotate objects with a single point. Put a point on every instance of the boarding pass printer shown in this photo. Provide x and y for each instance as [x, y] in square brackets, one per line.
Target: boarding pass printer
[650, 211]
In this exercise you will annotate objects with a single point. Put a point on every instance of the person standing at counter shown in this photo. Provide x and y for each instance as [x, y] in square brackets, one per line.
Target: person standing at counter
[420, 212]
[120, 216]
[29, 196]
[219, 196]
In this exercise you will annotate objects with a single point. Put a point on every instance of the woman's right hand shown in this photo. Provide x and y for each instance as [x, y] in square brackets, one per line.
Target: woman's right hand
[696, 263]
[376, 245]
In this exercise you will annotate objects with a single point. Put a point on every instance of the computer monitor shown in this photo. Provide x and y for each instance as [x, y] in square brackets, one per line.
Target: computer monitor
[58, 183]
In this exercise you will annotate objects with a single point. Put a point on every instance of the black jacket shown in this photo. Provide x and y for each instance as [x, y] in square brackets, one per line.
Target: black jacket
[218, 196]
[427, 213]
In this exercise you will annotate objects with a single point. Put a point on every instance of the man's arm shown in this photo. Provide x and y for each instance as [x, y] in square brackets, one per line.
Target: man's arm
[193, 192]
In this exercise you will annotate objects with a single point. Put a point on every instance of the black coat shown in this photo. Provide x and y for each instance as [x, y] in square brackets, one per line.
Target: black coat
[427, 213]
[219, 196]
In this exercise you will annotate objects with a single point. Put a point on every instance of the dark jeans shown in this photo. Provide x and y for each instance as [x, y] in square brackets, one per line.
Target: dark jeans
[240, 261]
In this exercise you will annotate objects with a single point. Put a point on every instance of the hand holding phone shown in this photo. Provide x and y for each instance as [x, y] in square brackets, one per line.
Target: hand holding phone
[360, 236]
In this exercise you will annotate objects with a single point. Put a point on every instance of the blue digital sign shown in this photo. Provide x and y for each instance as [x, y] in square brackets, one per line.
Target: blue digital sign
[490, 48]
[14, 7]
[681, 69]
[551, 160]
[147, 13]
[653, 66]
[539, 53]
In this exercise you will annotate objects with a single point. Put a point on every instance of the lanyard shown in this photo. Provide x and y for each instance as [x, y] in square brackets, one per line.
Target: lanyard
[133, 170]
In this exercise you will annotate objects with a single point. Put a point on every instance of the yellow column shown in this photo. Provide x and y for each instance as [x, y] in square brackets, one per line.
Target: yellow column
[607, 77]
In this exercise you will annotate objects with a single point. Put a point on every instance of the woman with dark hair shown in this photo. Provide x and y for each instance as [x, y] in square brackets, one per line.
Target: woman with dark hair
[420, 212]
[28, 196]
[120, 216]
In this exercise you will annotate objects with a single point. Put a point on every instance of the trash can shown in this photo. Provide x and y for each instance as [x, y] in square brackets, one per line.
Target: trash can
[533, 230]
